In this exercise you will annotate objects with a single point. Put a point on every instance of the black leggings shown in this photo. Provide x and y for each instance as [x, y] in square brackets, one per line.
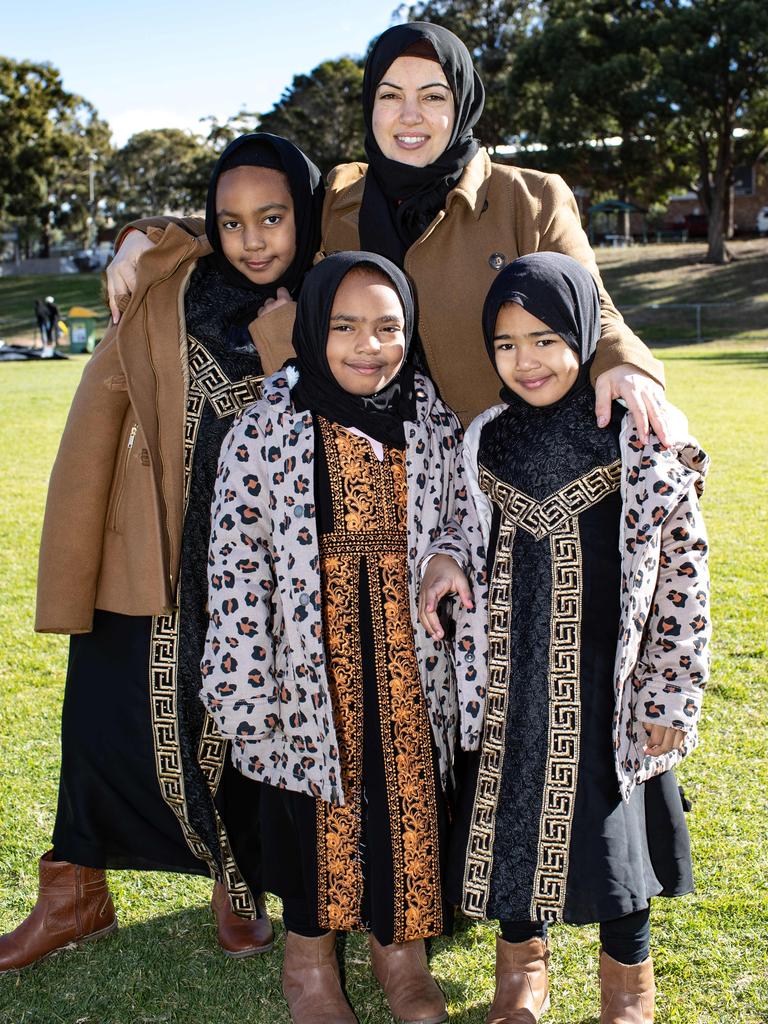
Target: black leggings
[626, 939]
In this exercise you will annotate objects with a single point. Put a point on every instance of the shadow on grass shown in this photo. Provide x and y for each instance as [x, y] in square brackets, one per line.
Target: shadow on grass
[752, 359]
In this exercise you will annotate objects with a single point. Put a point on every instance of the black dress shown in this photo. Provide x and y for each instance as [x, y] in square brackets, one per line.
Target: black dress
[377, 863]
[543, 834]
[146, 780]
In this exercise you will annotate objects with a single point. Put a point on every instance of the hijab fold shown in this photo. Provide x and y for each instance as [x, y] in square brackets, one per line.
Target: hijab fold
[261, 149]
[380, 416]
[557, 290]
[400, 200]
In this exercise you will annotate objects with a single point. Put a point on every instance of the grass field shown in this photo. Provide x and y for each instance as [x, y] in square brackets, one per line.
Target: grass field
[164, 967]
[18, 294]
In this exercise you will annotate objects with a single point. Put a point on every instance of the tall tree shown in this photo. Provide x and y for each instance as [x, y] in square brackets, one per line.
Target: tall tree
[492, 30]
[320, 112]
[51, 139]
[160, 171]
[714, 76]
[585, 85]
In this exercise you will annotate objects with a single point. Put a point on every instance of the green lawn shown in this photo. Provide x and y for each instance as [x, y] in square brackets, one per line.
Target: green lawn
[18, 294]
[163, 966]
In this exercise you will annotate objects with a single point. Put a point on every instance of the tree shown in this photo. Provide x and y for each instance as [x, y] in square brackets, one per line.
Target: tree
[164, 171]
[220, 135]
[491, 30]
[714, 76]
[320, 112]
[51, 139]
[585, 85]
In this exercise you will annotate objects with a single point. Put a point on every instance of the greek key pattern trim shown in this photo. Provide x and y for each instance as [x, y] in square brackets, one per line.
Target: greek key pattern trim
[479, 860]
[226, 397]
[564, 727]
[542, 518]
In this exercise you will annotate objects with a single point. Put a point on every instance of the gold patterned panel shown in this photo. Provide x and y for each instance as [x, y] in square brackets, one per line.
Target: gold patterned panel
[225, 396]
[541, 518]
[369, 535]
[208, 382]
[556, 517]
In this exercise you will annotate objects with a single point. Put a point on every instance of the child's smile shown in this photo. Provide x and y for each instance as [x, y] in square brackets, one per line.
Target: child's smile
[532, 360]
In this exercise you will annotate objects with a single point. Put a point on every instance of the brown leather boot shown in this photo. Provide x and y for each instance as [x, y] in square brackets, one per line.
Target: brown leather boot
[311, 981]
[522, 982]
[240, 937]
[401, 969]
[627, 992]
[73, 906]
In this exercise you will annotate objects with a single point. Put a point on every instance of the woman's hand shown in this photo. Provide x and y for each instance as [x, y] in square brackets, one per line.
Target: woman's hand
[662, 739]
[643, 396]
[442, 576]
[282, 298]
[121, 272]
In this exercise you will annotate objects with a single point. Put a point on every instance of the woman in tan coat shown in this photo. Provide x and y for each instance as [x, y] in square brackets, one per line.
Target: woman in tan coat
[431, 200]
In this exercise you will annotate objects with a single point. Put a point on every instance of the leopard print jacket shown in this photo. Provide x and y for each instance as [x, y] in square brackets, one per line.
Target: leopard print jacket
[264, 679]
[662, 656]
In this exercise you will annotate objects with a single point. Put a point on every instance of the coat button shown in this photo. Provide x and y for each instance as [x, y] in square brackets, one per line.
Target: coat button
[299, 511]
[304, 599]
[497, 260]
[469, 657]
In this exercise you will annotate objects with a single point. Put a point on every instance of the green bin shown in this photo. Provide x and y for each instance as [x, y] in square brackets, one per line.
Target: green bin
[82, 329]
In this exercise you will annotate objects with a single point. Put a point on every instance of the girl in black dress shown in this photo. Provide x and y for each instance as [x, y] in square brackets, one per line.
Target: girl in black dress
[587, 537]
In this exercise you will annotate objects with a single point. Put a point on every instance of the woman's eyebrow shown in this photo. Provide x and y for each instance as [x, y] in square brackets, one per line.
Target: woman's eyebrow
[429, 85]
[531, 334]
[388, 318]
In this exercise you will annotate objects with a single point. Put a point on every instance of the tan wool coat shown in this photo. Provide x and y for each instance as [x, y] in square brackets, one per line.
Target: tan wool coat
[115, 509]
[495, 214]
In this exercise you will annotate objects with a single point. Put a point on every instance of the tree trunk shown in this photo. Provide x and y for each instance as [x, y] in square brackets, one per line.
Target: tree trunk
[717, 251]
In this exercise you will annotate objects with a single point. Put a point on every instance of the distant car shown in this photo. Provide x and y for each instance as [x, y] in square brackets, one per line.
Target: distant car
[697, 225]
[762, 221]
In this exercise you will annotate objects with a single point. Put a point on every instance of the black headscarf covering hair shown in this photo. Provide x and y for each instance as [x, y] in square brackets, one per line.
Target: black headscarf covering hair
[380, 416]
[557, 290]
[400, 200]
[305, 183]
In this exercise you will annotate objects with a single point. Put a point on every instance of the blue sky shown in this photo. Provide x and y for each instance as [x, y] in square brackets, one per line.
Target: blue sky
[155, 64]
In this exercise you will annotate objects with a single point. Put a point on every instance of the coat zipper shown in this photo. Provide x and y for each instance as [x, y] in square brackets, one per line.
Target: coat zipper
[119, 497]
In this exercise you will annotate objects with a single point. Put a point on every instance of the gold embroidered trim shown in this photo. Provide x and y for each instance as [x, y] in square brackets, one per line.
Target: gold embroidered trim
[207, 382]
[564, 727]
[226, 396]
[369, 516]
[557, 516]
[542, 518]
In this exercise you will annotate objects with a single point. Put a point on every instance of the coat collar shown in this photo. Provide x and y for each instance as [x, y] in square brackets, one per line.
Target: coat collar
[472, 189]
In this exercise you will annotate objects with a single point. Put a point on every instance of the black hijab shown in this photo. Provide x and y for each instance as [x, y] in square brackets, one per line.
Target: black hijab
[400, 201]
[380, 416]
[305, 183]
[557, 290]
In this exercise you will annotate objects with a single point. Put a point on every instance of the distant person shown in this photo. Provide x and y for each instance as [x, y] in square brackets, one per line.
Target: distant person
[53, 331]
[146, 779]
[42, 318]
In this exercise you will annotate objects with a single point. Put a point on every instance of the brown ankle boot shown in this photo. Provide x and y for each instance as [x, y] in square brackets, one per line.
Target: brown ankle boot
[401, 969]
[522, 982]
[240, 937]
[73, 906]
[627, 992]
[311, 981]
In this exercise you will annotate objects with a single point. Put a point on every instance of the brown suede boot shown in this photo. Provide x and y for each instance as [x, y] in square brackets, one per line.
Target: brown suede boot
[240, 937]
[627, 992]
[401, 969]
[311, 981]
[73, 906]
[522, 982]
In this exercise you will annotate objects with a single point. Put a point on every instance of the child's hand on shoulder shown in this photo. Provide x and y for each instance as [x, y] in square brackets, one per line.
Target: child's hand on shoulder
[442, 576]
[662, 739]
[282, 298]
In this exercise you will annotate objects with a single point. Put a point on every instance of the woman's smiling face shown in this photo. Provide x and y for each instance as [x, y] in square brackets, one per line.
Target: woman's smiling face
[413, 111]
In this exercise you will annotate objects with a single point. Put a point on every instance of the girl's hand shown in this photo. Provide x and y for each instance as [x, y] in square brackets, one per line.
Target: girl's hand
[442, 576]
[282, 298]
[644, 399]
[662, 739]
[121, 272]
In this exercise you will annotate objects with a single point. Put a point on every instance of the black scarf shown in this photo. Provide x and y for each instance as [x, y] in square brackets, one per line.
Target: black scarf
[261, 149]
[399, 200]
[557, 290]
[380, 416]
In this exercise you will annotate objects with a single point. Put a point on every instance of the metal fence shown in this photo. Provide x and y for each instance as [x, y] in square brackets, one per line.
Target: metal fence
[689, 323]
